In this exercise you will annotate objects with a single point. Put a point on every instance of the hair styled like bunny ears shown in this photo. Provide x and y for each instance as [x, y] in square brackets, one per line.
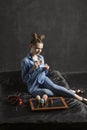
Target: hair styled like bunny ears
[37, 37]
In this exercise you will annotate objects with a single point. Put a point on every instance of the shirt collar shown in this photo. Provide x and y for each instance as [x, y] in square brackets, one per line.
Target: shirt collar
[30, 57]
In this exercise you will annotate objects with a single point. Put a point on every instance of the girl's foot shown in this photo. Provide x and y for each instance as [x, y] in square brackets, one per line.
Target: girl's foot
[84, 100]
[78, 91]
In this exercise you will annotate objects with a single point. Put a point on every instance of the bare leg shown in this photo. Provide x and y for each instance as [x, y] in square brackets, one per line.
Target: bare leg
[78, 91]
[84, 100]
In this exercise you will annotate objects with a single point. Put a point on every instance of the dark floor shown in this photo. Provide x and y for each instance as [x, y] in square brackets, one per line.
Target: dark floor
[22, 117]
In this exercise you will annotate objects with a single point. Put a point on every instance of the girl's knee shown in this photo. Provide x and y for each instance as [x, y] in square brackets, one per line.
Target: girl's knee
[48, 92]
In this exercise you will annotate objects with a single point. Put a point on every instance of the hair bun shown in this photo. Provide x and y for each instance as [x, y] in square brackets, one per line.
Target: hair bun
[41, 37]
[38, 37]
[35, 36]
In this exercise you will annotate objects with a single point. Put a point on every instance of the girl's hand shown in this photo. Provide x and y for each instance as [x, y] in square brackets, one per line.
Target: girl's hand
[36, 64]
[46, 66]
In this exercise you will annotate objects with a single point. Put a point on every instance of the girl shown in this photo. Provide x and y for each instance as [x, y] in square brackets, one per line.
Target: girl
[34, 73]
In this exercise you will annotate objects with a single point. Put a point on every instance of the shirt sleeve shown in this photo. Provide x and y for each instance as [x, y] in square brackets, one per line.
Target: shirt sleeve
[26, 71]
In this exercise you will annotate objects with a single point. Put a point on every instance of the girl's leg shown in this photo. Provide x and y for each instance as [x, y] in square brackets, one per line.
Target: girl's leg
[63, 91]
[78, 91]
[41, 91]
[56, 89]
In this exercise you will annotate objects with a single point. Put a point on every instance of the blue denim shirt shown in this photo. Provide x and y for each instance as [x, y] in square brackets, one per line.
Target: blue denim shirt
[30, 76]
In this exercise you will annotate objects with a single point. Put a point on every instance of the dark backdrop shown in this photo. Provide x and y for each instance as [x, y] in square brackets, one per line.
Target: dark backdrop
[64, 22]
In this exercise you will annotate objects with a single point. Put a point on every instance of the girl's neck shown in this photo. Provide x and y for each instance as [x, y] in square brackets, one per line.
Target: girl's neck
[35, 57]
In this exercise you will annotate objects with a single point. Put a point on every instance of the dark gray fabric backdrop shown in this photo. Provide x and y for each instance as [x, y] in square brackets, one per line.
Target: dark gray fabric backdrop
[64, 22]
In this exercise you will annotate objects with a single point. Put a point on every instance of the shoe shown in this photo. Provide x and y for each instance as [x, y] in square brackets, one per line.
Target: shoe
[84, 101]
[78, 91]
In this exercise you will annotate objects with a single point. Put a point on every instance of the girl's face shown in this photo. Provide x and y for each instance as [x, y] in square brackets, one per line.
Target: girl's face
[36, 49]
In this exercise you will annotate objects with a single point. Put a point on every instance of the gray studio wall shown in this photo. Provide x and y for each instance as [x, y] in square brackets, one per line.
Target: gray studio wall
[64, 22]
